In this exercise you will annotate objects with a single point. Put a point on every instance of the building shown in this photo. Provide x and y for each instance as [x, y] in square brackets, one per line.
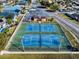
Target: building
[33, 1]
[50, 1]
[57, 0]
[77, 1]
[11, 1]
[22, 2]
[12, 9]
[2, 24]
[3, 1]
[75, 4]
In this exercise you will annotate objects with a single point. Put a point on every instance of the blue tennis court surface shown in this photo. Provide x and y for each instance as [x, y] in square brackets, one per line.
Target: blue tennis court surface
[50, 40]
[48, 28]
[43, 40]
[31, 40]
[35, 40]
[41, 28]
[32, 28]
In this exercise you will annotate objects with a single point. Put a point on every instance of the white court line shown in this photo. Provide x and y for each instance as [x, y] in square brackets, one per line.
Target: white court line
[22, 43]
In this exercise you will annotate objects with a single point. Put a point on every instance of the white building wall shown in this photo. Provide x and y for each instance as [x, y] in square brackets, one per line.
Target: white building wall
[33, 1]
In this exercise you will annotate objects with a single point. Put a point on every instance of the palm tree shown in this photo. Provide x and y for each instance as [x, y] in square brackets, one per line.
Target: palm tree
[54, 7]
[9, 19]
[6, 30]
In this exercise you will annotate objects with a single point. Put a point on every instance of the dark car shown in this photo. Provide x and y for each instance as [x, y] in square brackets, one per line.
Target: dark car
[41, 7]
[49, 10]
[74, 16]
[72, 48]
[1, 20]
[62, 10]
[70, 15]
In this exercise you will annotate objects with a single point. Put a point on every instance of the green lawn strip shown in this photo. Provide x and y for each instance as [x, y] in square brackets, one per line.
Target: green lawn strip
[5, 39]
[40, 56]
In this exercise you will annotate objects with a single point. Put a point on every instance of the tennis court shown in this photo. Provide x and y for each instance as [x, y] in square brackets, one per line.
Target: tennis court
[35, 40]
[39, 37]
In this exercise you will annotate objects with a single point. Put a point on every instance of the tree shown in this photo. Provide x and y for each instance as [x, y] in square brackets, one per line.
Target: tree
[6, 30]
[9, 21]
[67, 2]
[42, 2]
[1, 17]
[10, 16]
[54, 7]
[1, 35]
[51, 19]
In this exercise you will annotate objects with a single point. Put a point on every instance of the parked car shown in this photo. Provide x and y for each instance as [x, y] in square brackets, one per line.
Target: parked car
[49, 10]
[41, 7]
[74, 16]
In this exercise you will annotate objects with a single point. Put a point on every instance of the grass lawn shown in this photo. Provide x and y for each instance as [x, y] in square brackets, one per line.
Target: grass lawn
[40, 56]
[5, 39]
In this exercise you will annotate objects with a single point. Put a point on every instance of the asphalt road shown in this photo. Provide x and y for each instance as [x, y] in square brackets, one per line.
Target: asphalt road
[69, 25]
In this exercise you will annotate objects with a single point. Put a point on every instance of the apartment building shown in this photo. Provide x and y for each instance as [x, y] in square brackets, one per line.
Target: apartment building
[50, 1]
[2, 1]
[75, 1]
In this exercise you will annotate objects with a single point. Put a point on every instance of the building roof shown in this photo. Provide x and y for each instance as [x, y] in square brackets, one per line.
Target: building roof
[1, 23]
[1, 29]
[22, 2]
[2, 0]
[5, 14]
[12, 7]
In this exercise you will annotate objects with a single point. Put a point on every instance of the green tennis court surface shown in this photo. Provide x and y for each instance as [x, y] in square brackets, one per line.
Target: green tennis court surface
[39, 37]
